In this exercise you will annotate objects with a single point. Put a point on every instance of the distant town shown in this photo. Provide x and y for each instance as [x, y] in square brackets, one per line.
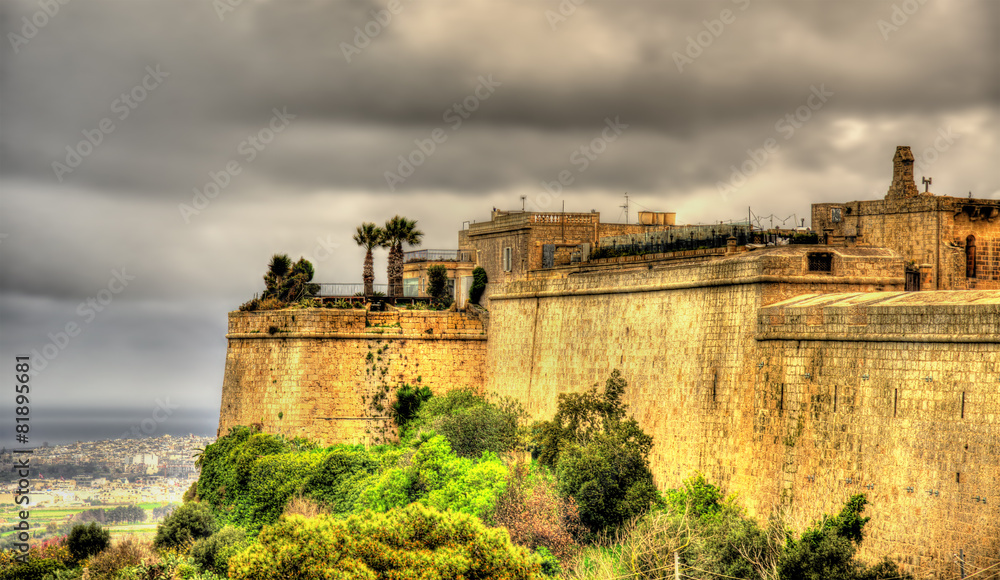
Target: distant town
[113, 471]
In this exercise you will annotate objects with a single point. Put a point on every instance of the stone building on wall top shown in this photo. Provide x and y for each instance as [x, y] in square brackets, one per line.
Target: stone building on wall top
[949, 243]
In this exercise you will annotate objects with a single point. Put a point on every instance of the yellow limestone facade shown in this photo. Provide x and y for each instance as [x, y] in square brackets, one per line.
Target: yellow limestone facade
[792, 389]
[791, 376]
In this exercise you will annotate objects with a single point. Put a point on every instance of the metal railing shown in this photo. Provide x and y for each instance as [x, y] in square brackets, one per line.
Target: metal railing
[329, 289]
[666, 244]
[437, 256]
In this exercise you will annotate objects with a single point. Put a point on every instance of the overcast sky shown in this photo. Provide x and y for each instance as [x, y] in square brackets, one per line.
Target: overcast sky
[293, 116]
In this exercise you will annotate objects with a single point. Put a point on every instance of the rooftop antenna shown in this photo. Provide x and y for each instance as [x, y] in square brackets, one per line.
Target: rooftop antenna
[626, 208]
[927, 182]
[523, 197]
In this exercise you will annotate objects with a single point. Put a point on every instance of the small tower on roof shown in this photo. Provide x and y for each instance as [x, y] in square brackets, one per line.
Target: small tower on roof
[902, 175]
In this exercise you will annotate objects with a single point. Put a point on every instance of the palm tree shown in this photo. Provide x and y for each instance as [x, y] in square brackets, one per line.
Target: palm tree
[277, 270]
[369, 236]
[289, 282]
[399, 231]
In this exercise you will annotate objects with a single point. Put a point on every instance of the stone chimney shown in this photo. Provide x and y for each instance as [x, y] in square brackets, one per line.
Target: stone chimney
[902, 175]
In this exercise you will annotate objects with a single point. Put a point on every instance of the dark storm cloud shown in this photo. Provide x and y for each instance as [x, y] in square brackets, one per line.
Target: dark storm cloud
[929, 78]
[607, 58]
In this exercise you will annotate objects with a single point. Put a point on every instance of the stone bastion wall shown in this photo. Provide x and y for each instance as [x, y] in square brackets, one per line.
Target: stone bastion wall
[320, 373]
[790, 388]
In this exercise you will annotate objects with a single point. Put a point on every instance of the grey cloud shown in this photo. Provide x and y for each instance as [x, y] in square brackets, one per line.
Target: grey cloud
[322, 175]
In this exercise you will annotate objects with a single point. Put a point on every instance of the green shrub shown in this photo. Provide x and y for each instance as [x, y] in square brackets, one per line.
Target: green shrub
[32, 569]
[472, 424]
[725, 542]
[697, 497]
[479, 280]
[186, 524]
[288, 282]
[408, 401]
[827, 549]
[609, 478]
[601, 459]
[437, 280]
[412, 542]
[227, 466]
[549, 563]
[84, 541]
[435, 476]
[339, 479]
[579, 418]
[191, 493]
[274, 480]
[128, 552]
[212, 553]
[62, 574]
[308, 302]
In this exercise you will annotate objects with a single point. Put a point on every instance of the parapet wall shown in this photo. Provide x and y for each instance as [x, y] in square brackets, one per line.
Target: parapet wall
[315, 372]
[749, 404]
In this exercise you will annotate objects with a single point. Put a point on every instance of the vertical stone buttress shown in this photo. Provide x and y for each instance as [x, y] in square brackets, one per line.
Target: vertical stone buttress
[902, 175]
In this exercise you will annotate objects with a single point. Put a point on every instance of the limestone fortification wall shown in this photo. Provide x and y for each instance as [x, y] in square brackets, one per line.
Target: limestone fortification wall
[893, 394]
[735, 383]
[793, 389]
[315, 372]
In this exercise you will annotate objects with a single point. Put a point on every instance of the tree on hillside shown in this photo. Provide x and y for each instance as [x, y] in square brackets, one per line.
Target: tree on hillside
[85, 540]
[600, 457]
[369, 236]
[399, 231]
[289, 282]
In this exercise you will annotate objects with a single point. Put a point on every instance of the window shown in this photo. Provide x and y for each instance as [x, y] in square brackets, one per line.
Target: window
[970, 257]
[821, 262]
[507, 259]
[411, 287]
[835, 215]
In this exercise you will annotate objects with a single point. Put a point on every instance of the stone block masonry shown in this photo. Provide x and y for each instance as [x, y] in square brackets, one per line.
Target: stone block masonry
[771, 401]
[792, 376]
[316, 372]
[895, 395]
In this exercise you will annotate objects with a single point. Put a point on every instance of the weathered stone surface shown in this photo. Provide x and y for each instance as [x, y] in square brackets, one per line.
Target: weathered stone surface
[788, 405]
[316, 374]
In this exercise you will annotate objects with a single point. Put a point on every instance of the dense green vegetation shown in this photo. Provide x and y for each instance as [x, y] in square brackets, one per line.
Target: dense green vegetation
[459, 495]
[479, 280]
[285, 283]
[410, 542]
[601, 459]
[86, 540]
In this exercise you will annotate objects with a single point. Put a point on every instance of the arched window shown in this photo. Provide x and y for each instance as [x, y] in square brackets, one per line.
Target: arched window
[970, 257]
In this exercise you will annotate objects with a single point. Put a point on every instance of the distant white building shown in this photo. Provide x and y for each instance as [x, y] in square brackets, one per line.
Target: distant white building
[147, 459]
